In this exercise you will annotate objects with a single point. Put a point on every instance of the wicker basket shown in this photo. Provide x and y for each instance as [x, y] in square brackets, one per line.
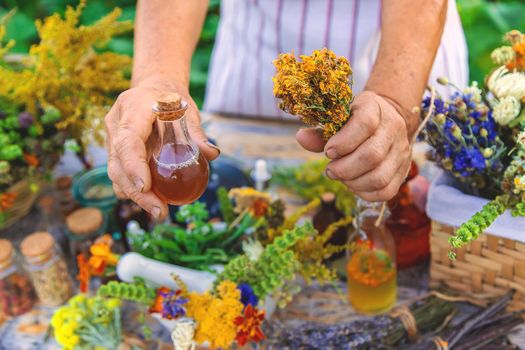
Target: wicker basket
[25, 198]
[489, 265]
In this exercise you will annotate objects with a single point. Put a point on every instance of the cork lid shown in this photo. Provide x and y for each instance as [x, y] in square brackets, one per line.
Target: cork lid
[328, 197]
[170, 106]
[6, 250]
[46, 203]
[37, 244]
[64, 183]
[84, 221]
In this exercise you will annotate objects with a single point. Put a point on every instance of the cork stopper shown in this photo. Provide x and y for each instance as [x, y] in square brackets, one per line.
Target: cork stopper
[170, 107]
[37, 244]
[6, 251]
[46, 203]
[328, 197]
[84, 221]
[64, 183]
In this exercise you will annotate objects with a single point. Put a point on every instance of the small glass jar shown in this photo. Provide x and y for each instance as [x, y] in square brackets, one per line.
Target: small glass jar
[371, 267]
[47, 269]
[17, 295]
[83, 227]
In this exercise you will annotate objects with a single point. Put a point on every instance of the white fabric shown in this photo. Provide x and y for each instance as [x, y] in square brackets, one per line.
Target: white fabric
[448, 205]
[252, 33]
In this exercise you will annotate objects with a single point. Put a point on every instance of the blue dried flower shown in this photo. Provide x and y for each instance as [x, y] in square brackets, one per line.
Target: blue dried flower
[25, 119]
[465, 138]
[248, 297]
[173, 304]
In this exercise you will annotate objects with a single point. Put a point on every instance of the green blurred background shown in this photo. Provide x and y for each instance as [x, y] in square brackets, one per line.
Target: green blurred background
[484, 21]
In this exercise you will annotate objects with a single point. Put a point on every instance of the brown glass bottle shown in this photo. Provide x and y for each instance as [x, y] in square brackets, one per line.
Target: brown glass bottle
[328, 214]
[179, 171]
[409, 224]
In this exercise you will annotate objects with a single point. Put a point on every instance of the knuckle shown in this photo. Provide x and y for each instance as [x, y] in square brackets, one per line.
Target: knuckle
[136, 196]
[374, 155]
[381, 181]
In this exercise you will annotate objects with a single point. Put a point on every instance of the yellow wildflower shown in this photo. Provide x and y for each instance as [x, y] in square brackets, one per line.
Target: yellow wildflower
[317, 89]
[215, 315]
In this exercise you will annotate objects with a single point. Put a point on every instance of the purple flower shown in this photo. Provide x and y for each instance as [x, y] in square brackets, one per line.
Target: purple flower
[3, 115]
[248, 297]
[173, 305]
[25, 119]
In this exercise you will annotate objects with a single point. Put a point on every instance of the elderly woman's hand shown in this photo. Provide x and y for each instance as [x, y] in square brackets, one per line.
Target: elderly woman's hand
[371, 153]
[128, 126]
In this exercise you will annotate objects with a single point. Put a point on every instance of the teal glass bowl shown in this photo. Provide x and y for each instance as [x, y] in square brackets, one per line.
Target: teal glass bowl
[93, 188]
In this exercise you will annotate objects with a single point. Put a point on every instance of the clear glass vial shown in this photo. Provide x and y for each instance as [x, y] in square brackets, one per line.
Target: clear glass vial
[179, 171]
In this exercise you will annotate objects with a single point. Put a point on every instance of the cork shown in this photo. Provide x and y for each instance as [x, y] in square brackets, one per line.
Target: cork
[328, 197]
[37, 244]
[46, 203]
[84, 221]
[64, 183]
[6, 251]
[170, 107]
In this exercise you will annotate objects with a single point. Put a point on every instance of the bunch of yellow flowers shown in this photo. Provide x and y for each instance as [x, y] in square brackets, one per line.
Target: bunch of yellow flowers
[317, 88]
[216, 314]
[65, 70]
[88, 322]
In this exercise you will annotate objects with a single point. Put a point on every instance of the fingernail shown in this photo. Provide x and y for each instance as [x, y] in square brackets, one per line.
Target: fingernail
[139, 184]
[330, 174]
[212, 145]
[155, 212]
[331, 153]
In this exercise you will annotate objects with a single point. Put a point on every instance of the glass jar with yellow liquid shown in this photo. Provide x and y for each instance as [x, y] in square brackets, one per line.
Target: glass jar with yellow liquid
[371, 266]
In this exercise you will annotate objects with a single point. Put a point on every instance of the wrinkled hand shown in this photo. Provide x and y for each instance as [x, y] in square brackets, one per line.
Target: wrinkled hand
[128, 127]
[371, 154]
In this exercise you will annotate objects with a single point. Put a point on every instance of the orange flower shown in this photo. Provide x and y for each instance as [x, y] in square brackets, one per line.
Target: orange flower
[7, 200]
[83, 273]
[249, 325]
[31, 160]
[101, 255]
[159, 299]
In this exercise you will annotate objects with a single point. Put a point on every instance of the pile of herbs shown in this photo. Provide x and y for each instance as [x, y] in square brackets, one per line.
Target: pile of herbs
[195, 242]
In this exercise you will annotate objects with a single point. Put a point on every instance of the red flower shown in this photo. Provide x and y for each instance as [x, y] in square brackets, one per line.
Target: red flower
[260, 207]
[83, 273]
[31, 160]
[7, 200]
[249, 325]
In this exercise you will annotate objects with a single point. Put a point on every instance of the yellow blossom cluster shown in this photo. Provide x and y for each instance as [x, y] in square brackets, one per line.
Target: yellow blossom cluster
[317, 88]
[215, 314]
[67, 70]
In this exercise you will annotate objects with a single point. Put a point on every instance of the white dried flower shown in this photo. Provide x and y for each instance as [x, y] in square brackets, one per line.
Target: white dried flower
[514, 37]
[506, 110]
[474, 91]
[520, 140]
[503, 84]
[503, 55]
[253, 249]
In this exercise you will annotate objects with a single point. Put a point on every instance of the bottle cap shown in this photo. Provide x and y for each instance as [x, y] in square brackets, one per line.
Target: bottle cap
[84, 221]
[328, 197]
[46, 203]
[37, 244]
[6, 252]
[64, 183]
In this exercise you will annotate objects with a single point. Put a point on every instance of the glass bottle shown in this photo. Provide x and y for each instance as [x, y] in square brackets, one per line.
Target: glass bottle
[83, 227]
[409, 224]
[50, 221]
[17, 295]
[179, 171]
[47, 268]
[328, 214]
[371, 266]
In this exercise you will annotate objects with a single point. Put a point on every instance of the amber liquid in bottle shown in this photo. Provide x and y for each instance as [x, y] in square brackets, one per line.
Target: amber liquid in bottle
[179, 175]
[179, 171]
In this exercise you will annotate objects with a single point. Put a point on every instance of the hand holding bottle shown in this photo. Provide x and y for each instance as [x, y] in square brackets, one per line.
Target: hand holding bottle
[128, 126]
